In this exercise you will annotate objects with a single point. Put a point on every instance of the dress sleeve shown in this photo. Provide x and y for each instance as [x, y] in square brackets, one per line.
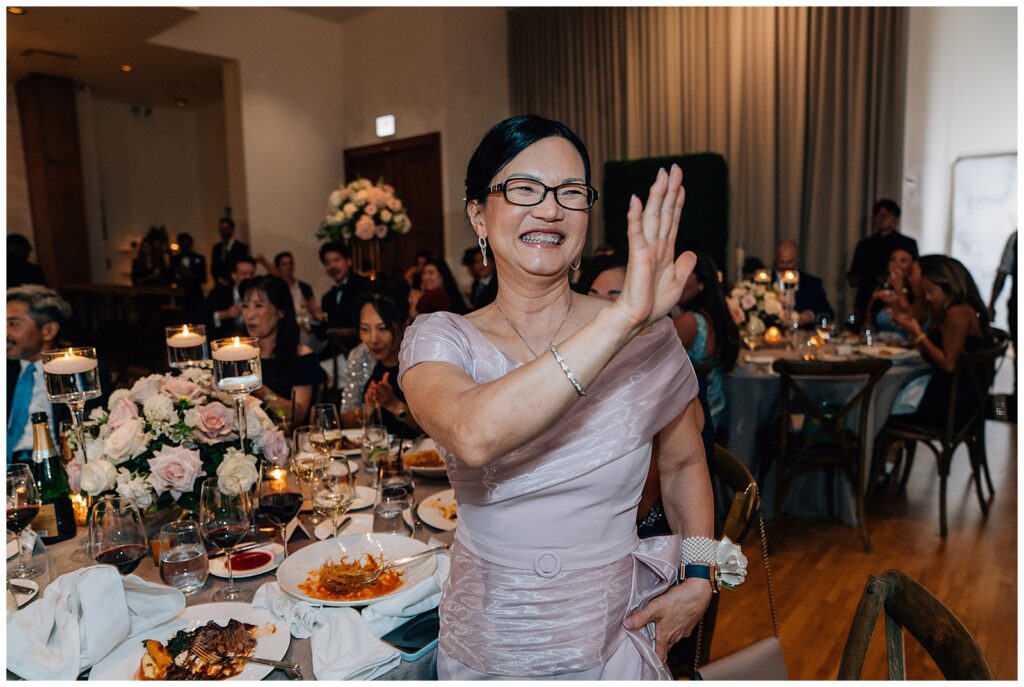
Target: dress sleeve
[433, 338]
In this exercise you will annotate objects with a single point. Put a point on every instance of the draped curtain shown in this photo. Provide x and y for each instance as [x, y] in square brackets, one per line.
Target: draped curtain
[806, 105]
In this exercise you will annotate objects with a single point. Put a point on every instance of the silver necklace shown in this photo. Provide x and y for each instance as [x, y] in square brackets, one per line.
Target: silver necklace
[521, 338]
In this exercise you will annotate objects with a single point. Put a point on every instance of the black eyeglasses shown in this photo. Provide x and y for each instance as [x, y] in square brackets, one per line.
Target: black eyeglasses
[529, 192]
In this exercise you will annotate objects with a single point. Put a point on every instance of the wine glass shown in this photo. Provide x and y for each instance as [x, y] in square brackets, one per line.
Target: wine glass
[22, 505]
[334, 492]
[117, 533]
[307, 461]
[327, 436]
[375, 437]
[225, 512]
[236, 368]
[280, 497]
[184, 564]
[186, 346]
[753, 333]
[72, 377]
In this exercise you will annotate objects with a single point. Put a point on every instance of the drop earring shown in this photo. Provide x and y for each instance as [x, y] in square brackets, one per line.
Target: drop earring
[576, 265]
[482, 242]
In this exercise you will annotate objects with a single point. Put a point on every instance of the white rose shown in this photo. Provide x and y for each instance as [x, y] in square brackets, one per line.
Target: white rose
[335, 198]
[98, 476]
[97, 414]
[257, 422]
[772, 306]
[127, 441]
[116, 395]
[160, 408]
[349, 209]
[732, 564]
[134, 488]
[385, 215]
[239, 465]
[146, 387]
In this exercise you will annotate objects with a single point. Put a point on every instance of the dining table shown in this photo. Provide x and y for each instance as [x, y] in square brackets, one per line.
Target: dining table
[59, 561]
[753, 400]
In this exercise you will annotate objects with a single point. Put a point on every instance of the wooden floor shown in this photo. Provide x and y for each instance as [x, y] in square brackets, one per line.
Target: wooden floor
[820, 570]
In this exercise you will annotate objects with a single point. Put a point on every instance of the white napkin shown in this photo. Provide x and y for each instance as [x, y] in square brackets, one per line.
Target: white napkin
[384, 616]
[343, 647]
[80, 618]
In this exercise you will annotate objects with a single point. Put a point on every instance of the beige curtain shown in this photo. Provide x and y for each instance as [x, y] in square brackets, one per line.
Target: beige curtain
[804, 103]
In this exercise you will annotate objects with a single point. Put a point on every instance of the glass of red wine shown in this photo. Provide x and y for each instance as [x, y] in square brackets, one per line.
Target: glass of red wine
[225, 512]
[22, 505]
[280, 497]
[117, 534]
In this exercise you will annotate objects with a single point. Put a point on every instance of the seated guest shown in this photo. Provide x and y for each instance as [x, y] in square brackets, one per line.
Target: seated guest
[289, 366]
[957, 321]
[148, 267]
[372, 374]
[871, 257]
[340, 305]
[226, 252]
[223, 308]
[37, 318]
[19, 269]
[894, 295]
[485, 287]
[436, 290]
[811, 301]
[604, 277]
[707, 330]
[413, 270]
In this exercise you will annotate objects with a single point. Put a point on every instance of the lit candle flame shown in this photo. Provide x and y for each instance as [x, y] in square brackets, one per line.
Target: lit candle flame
[237, 341]
[184, 330]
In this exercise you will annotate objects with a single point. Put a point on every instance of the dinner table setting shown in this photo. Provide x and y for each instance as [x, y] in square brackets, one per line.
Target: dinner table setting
[228, 547]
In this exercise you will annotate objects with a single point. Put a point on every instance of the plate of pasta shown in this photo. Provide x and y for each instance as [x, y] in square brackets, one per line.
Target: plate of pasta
[422, 458]
[320, 573]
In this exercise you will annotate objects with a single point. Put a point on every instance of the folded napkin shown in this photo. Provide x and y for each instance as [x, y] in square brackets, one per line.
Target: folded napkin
[384, 616]
[80, 618]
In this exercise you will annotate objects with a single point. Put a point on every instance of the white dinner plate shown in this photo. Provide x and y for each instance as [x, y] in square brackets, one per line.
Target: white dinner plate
[353, 467]
[365, 497]
[296, 568]
[761, 359]
[362, 523]
[219, 565]
[426, 444]
[123, 662]
[431, 513]
[888, 352]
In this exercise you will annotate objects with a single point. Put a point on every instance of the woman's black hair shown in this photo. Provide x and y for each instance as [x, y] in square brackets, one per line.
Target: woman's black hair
[286, 343]
[456, 303]
[391, 301]
[950, 275]
[711, 301]
[508, 138]
[599, 264]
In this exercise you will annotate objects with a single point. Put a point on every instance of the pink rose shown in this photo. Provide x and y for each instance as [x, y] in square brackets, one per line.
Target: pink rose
[275, 447]
[74, 470]
[364, 228]
[370, 209]
[121, 412]
[215, 422]
[174, 468]
[748, 301]
[381, 231]
[178, 388]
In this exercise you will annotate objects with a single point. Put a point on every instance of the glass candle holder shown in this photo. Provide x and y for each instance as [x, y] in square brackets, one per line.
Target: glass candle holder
[186, 346]
[236, 369]
[72, 377]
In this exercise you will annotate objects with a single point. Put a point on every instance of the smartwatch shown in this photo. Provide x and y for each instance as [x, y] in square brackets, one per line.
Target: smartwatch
[706, 572]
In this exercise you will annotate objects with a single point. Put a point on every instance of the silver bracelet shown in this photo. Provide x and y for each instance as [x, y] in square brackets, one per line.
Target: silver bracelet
[568, 373]
[698, 550]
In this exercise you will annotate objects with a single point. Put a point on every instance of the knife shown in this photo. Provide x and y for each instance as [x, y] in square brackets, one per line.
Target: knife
[246, 547]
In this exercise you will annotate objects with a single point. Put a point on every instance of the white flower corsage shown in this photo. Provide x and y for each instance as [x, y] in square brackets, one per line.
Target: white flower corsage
[731, 564]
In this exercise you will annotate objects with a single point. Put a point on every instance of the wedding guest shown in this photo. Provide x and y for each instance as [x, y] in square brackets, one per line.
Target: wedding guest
[436, 290]
[871, 257]
[811, 300]
[149, 267]
[306, 306]
[895, 295]
[37, 322]
[19, 269]
[605, 277]
[485, 287]
[1007, 268]
[226, 252]
[340, 305]
[413, 270]
[289, 366]
[188, 270]
[223, 307]
[534, 404]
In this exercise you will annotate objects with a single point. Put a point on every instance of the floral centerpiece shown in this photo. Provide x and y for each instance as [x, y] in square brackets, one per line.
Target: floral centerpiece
[155, 442]
[756, 305]
[364, 210]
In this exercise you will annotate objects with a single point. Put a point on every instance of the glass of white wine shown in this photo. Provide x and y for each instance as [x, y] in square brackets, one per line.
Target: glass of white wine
[307, 460]
[334, 493]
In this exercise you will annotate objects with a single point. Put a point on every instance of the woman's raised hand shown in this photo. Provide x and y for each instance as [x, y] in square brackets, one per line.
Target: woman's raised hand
[654, 277]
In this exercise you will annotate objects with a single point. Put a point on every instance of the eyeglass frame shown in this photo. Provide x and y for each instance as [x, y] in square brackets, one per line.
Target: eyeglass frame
[503, 186]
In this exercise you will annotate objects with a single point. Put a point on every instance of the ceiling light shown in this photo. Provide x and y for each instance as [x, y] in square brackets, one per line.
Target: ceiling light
[86, 88]
[181, 102]
[386, 126]
[127, 68]
[16, 10]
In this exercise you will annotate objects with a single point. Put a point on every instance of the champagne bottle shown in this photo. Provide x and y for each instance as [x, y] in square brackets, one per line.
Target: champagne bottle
[56, 519]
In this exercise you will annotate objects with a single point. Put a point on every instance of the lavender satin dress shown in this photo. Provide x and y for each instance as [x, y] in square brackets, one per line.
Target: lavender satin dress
[546, 562]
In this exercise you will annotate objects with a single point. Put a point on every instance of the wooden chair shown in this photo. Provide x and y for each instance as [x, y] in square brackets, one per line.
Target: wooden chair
[973, 375]
[825, 439]
[909, 605]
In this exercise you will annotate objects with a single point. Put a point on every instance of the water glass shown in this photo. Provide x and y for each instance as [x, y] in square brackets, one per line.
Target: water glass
[186, 346]
[183, 561]
[375, 438]
[395, 493]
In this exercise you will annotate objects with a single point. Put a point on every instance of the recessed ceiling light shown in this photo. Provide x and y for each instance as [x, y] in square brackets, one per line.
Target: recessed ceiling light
[127, 68]
[16, 10]
[86, 88]
[181, 102]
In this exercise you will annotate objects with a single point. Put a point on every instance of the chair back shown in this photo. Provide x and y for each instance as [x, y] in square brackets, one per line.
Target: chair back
[973, 377]
[733, 474]
[909, 605]
[827, 426]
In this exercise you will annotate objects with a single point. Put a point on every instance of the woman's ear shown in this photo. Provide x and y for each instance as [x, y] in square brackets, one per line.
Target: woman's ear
[475, 211]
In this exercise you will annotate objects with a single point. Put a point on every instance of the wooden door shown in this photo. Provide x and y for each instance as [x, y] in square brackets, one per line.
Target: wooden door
[413, 167]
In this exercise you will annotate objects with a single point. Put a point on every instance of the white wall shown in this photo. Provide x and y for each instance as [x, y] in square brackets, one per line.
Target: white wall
[165, 169]
[961, 100]
[19, 211]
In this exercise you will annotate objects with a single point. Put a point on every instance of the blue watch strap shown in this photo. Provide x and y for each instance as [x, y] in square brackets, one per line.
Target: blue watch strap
[696, 570]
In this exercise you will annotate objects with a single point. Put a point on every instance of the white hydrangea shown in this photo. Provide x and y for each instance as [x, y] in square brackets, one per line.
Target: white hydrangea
[136, 488]
[98, 476]
[159, 408]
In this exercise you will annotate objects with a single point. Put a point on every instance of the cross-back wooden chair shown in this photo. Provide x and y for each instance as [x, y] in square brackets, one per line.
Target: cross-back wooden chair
[825, 439]
[908, 605]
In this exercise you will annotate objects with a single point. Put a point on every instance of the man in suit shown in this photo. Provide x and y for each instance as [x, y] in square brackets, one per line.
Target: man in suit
[871, 257]
[810, 291]
[36, 319]
[188, 270]
[223, 308]
[340, 305]
[485, 286]
[226, 252]
[19, 269]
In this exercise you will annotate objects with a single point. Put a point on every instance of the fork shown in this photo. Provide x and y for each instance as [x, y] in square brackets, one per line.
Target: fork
[210, 657]
[365, 577]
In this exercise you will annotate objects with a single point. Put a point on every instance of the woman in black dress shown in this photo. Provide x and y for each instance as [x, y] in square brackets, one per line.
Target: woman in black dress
[288, 365]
